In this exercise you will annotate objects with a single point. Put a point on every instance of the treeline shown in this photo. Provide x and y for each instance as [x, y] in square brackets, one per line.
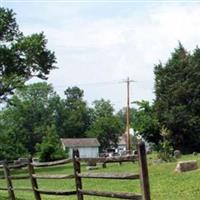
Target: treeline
[36, 115]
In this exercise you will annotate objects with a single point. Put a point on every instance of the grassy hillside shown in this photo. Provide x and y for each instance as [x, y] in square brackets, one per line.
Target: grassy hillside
[165, 183]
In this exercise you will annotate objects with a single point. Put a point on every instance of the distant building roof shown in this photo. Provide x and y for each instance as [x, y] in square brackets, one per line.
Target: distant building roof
[80, 142]
[122, 140]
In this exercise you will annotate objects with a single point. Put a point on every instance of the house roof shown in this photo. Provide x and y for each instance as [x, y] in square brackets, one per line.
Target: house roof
[80, 142]
[122, 140]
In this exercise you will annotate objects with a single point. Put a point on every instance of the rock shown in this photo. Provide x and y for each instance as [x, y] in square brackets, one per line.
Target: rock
[23, 160]
[91, 167]
[195, 154]
[91, 163]
[159, 161]
[184, 166]
[177, 154]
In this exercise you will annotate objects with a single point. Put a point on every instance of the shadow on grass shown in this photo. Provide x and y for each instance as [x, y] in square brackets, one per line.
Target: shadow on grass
[6, 198]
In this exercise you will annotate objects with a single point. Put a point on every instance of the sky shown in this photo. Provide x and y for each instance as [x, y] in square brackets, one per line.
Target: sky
[98, 44]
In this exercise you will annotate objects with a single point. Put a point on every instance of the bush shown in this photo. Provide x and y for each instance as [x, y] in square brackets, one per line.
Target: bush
[50, 149]
[165, 151]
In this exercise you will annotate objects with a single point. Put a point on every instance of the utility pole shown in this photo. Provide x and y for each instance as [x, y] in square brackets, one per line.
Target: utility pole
[128, 81]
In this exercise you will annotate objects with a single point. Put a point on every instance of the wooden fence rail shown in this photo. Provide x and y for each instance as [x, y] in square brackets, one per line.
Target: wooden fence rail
[78, 176]
[143, 176]
[32, 176]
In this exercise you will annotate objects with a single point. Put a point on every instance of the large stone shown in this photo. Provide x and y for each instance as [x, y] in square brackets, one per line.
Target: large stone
[195, 154]
[177, 154]
[158, 161]
[91, 163]
[184, 166]
[92, 167]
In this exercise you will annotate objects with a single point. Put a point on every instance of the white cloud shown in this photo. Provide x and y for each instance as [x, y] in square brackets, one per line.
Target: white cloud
[113, 48]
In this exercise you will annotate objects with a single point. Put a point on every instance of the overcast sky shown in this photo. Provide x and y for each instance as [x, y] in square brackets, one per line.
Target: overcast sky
[98, 44]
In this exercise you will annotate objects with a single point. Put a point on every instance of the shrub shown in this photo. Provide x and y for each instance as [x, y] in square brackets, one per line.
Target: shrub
[165, 151]
[50, 149]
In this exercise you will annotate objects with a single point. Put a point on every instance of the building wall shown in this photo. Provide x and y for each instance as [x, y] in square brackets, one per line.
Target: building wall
[86, 152]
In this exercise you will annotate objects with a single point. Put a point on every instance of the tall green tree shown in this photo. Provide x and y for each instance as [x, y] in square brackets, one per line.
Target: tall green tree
[106, 126]
[177, 89]
[107, 130]
[74, 116]
[31, 110]
[21, 57]
[51, 148]
[103, 108]
[145, 122]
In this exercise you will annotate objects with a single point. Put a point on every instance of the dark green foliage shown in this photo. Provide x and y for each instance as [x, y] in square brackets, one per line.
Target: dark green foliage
[30, 112]
[50, 149]
[122, 115]
[107, 130]
[73, 117]
[145, 123]
[8, 26]
[177, 104]
[102, 108]
[11, 148]
[21, 57]
[106, 126]
[165, 149]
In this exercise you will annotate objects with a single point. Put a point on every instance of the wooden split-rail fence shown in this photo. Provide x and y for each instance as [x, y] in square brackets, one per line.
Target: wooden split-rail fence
[79, 191]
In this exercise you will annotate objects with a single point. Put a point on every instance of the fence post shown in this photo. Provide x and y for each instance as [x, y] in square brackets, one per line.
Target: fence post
[144, 176]
[33, 181]
[77, 170]
[9, 181]
[104, 165]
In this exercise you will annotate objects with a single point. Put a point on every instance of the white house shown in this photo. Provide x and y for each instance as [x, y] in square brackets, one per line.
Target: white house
[88, 147]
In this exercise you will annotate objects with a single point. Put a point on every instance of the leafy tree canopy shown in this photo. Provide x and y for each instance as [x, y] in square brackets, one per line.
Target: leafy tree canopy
[21, 57]
[50, 149]
[30, 112]
[103, 108]
[107, 130]
[105, 125]
[177, 104]
[145, 122]
[75, 115]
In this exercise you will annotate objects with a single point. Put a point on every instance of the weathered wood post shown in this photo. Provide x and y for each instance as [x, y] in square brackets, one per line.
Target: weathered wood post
[77, 170]
[144, 176]
[33, 181]
[9, 181]
[104, 165]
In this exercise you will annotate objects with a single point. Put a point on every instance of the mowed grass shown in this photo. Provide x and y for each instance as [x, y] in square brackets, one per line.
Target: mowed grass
[165, 183]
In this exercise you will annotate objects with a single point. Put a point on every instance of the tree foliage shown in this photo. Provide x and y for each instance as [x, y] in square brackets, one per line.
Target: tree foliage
[122, 116]
[21, 57]
[50, 149]
[145, 123]
[177, 104]
[107, 130]
[106, 126]
[74, 116]
[30, 112]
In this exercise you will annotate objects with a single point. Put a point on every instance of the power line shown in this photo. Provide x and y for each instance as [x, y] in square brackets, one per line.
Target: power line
[88, 84]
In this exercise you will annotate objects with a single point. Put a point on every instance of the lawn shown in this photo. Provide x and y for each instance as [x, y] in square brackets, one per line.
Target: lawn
[165, 183]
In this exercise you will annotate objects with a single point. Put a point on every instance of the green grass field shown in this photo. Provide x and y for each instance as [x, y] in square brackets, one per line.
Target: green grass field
[165, 183]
